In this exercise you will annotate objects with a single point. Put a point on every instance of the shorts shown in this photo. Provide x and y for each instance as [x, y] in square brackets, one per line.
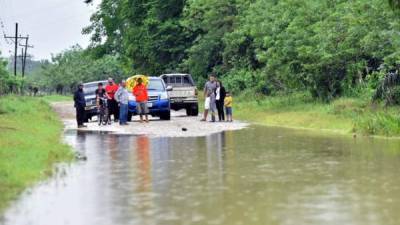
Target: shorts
[142, 108]
[207, 103]
[210, 104]
[228, 111]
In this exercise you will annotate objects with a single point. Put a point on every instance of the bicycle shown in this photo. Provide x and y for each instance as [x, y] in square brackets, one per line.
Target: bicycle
[103, 116]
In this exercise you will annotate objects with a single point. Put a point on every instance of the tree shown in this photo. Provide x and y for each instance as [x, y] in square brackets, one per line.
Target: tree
[326, 47]
[146, 36]
[71, 67]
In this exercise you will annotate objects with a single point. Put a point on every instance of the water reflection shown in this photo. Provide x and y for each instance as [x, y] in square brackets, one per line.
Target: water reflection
[253, 176]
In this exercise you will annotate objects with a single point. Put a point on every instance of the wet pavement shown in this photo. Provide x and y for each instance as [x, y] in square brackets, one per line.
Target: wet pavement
[257, 176]
[180, 125]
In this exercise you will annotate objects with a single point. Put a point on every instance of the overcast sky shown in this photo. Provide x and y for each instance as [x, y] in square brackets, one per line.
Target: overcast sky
[52, 25]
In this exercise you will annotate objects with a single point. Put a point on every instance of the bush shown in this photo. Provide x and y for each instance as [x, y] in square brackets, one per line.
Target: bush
[238, 81]
[378, 123]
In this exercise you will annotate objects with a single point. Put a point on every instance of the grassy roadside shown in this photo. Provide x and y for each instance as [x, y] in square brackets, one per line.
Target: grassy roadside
[57, 98]
[30, 144]
[344, 115]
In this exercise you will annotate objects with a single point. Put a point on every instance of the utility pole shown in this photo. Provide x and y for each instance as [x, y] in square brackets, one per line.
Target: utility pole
[16, 38]
[16, 49]
[22, 59]
[25, 54]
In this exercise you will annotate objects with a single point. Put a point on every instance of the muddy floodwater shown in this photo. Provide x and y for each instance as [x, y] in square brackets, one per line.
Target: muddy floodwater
[257, 175]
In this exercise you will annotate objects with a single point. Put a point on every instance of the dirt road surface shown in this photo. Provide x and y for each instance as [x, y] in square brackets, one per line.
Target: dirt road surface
[155, 128]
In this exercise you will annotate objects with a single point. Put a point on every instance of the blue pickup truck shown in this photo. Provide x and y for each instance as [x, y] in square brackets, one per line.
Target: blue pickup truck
[158, 103]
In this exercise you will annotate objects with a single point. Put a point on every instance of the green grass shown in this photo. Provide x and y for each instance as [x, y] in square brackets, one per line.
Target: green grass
[56, 98]
[299, 110]
[30, 144]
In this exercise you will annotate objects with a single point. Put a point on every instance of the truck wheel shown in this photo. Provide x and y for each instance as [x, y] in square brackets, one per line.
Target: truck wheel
[189, 111]
[129, 117]
[165, 115]
[194, 110]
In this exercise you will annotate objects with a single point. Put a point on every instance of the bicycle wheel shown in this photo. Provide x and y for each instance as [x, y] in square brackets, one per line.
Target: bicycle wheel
[105, 117]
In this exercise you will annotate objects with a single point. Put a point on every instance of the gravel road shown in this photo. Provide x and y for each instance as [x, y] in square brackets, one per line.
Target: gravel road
[155, 128]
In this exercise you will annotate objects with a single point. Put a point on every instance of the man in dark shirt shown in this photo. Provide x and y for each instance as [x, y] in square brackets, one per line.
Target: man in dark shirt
[80, 104]
[100, 94]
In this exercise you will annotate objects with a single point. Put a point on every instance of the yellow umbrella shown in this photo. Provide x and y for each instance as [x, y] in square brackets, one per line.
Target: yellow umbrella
[131, 82]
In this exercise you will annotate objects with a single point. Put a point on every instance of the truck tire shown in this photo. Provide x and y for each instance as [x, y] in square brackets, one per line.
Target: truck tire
[165, 115]
[194, 110]
[189, 111]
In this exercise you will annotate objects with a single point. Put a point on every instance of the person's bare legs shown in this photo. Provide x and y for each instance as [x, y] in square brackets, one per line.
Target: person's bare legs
[212, 116]
[141, 118]
[147, 118]
[205, 115]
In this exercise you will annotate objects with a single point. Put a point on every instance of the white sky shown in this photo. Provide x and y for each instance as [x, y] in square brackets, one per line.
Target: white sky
[52, 25]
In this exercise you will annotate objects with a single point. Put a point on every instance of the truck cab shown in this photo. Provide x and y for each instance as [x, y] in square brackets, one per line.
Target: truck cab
[158, 102]
[183, 94]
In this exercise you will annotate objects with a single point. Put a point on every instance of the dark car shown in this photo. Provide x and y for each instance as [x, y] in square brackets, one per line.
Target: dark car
[158, 103]
[90, 97]
[183, 94]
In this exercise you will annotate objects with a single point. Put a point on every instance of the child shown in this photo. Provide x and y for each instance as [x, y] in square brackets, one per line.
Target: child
[140, 92]
[228, 106]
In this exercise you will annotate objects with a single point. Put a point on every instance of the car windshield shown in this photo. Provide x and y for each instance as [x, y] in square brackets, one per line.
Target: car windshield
[155, 85]
[178, 81]
[89, 88]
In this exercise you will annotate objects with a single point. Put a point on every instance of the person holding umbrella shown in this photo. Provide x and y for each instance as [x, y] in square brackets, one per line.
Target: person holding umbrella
[140, 92]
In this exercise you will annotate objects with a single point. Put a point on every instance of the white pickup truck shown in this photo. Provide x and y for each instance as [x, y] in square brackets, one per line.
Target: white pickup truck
[183, 94]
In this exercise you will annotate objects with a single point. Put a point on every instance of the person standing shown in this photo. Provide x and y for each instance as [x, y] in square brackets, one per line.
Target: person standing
[80, 104]
[209, 94]
[100, 94]
[122, 97]
[219, 98]
[100, 102]
[228, 102]
[140, 92]
[111, 89]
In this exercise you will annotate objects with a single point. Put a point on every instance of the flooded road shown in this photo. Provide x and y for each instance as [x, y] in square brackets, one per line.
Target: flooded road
[257, 176]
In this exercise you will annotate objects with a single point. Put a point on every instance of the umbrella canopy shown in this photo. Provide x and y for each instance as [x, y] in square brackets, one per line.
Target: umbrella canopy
[131, 82]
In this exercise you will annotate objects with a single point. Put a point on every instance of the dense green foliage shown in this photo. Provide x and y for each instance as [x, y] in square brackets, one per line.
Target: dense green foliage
[8, 82]
[146, 36]
[71, 67]
[327, 47]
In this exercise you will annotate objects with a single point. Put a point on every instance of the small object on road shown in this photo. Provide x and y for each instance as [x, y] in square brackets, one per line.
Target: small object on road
[184, 129]
[80, 156]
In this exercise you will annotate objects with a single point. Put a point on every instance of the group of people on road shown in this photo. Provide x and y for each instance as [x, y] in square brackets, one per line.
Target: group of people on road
[216, 100]
[117, 98]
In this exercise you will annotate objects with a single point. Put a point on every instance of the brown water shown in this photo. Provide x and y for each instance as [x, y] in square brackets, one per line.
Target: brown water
[253, 176]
